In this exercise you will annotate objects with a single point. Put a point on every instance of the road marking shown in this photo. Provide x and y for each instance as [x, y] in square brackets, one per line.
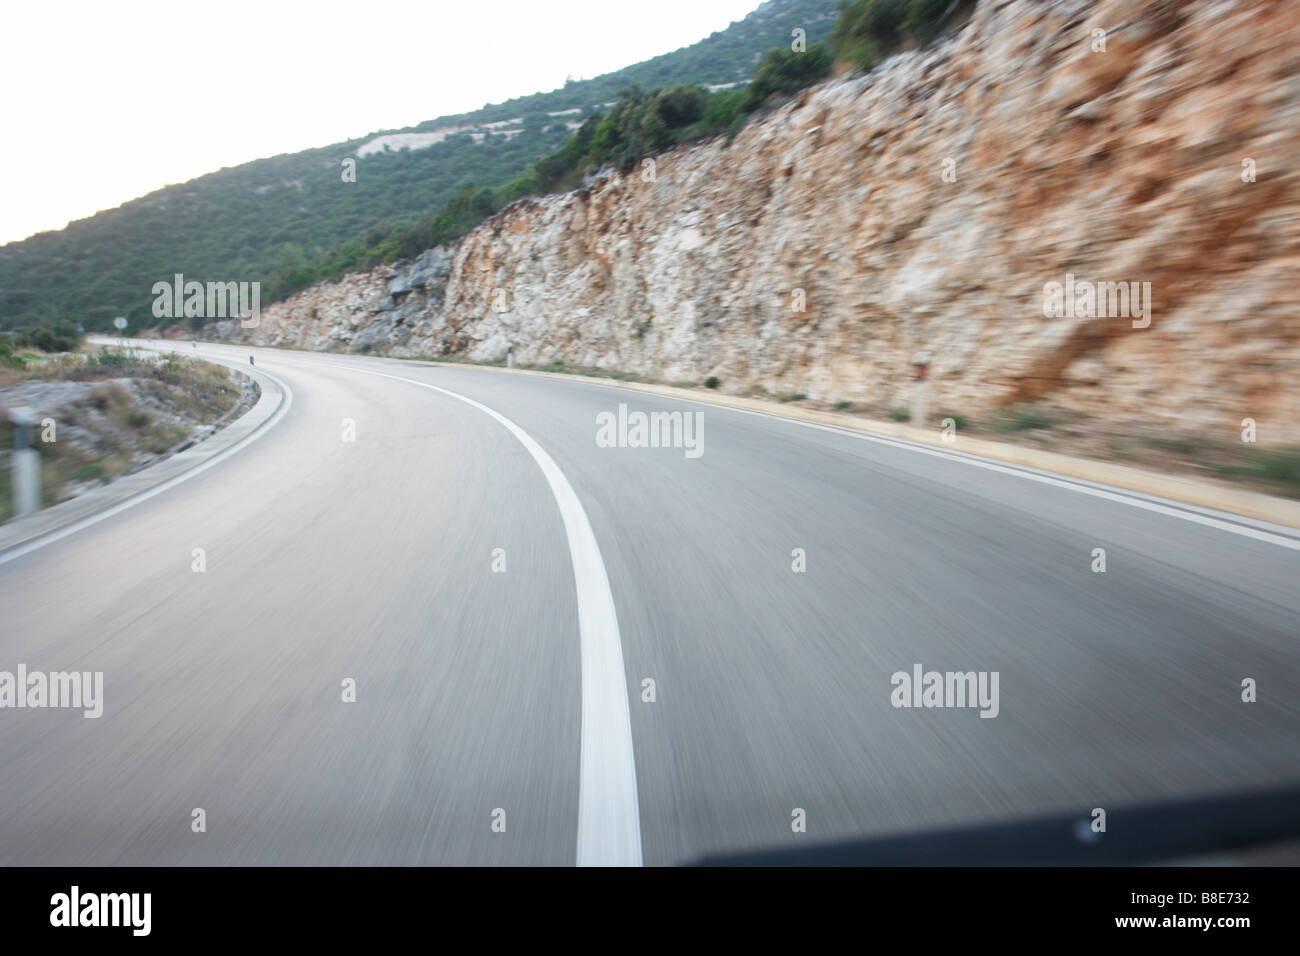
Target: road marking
[1186, 513]
[609, 819]
[1220, 521]
[49, 537]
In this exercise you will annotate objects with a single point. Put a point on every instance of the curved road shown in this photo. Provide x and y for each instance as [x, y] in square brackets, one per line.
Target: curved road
[480, 690]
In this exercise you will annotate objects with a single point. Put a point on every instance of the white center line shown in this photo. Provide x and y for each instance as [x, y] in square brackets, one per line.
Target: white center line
[609, 819]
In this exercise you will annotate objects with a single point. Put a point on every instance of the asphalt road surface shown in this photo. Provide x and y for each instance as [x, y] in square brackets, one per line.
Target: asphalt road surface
[503, 690]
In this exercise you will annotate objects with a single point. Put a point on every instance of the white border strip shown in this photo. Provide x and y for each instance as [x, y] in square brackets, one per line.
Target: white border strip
[609, 818]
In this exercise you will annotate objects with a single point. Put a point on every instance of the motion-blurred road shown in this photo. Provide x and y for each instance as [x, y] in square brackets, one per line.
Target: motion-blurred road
[374, 560]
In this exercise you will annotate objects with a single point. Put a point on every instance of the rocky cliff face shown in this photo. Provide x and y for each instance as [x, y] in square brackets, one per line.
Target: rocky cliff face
[927, 206]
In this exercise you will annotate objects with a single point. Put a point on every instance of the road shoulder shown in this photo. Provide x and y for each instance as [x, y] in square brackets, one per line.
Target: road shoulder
[21, 532]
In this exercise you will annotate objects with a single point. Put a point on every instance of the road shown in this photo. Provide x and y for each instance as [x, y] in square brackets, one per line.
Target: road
[489, 697]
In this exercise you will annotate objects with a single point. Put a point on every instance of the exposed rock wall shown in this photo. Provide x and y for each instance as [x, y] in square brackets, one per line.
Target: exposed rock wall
[1122, 165]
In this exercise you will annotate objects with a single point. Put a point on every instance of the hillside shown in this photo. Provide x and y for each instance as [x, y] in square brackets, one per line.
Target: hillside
[930, 205]
[267, 217]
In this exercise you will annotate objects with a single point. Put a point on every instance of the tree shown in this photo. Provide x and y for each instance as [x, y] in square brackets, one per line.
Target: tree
[784, 72]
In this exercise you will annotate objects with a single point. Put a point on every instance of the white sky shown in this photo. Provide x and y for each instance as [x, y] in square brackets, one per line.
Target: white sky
[107, 100]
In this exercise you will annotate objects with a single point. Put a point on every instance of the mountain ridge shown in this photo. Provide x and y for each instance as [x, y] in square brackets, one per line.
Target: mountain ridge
[877, 216]
[269, 215]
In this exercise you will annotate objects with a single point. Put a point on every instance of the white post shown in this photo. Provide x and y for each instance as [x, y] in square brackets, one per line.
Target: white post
[920, 388]
[27, 481]
[26, 469]
[510, 356]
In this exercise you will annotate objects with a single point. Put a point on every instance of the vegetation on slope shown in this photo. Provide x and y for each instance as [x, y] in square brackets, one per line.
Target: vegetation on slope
[279, 216]
[291, 221]
[639, 124]
[868, 31]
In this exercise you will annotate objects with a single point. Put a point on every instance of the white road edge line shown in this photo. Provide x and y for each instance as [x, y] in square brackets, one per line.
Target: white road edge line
[1079, 485]
[18, 551]
[1158, 506]
[609, 818]
[1220, 521]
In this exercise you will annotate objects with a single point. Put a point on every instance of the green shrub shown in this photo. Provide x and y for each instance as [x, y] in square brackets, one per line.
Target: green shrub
[1020, 419]
[60, 336]
[724, 113]
[783, 72]
[7, 357]
[112, 358]
[1280, 464]
[1278, 467]
[91, 471]
[870, 30]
